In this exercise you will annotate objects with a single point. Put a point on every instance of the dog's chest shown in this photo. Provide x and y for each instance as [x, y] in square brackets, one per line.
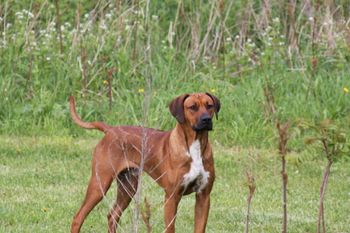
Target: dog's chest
[197, 176]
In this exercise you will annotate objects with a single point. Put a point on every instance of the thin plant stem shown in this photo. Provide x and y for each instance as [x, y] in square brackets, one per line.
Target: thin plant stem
[252, 187]
[322, 194]
[58, 25]
[283, 133]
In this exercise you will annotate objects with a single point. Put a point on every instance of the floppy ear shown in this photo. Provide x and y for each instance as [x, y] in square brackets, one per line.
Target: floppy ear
[217, 104]
[176, 108]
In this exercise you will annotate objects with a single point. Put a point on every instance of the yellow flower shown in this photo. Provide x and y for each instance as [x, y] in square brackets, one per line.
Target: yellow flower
[346, 90]
[213, 90]
[141, 90]
[105, 82]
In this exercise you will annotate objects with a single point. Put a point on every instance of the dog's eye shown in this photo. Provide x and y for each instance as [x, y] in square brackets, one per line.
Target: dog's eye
[193, 107]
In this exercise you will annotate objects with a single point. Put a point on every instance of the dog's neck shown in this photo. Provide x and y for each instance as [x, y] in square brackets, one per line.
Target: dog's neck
[189, 136]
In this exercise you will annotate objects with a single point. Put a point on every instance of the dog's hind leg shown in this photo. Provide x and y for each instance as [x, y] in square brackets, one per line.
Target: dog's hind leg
[127, 187]
[98, 186]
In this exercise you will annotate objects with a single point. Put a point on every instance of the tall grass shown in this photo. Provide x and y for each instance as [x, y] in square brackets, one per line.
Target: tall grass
[113, 54]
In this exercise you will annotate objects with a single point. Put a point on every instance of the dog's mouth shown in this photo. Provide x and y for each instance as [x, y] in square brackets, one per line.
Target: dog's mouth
[203, 127]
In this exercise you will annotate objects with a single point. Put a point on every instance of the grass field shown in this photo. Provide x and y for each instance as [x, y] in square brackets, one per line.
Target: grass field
[43, 180]
[124, 61]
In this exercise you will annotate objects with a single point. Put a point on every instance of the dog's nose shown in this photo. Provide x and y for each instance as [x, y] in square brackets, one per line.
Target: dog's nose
[205, 119]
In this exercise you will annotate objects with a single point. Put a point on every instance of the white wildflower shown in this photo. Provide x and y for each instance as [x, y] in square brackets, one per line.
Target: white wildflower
[119, 40]
[108, 16]
[48, 58]
[103, 26]
[19, 15]
[251, 45]
[311, 18]
[30, 15]
[276, 20]
[228, 39]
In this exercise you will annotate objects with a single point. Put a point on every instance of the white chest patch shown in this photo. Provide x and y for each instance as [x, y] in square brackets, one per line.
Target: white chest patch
[196, 173]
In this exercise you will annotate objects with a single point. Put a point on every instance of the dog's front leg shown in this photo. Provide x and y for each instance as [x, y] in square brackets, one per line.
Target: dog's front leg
[201, 211]
[170, 208]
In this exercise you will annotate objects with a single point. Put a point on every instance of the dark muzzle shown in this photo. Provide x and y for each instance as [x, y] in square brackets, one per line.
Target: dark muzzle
[205, 123]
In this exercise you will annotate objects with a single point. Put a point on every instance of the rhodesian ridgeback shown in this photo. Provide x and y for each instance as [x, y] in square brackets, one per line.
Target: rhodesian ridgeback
[180, 161]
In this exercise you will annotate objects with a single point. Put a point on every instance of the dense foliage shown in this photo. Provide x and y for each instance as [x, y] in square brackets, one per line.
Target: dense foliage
[140, 54]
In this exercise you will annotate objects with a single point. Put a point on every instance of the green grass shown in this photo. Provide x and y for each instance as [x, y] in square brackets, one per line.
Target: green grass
[43, 180]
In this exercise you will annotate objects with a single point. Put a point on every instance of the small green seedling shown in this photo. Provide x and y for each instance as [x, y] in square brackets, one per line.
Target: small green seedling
[331, 139]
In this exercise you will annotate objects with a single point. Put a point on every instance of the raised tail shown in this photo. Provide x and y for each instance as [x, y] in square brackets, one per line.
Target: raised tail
[87, 125]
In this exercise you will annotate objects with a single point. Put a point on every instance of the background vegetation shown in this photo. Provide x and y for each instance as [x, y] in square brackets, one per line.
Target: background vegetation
[164, 48]
[122, 59]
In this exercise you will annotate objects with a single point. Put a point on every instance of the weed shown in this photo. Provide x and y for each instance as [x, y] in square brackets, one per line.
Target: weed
[333, 141]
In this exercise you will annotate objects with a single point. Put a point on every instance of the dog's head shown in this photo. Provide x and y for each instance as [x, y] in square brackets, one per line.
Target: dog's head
[197, 110]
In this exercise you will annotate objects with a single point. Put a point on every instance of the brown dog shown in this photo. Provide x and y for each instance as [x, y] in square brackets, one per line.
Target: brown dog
[180, 161]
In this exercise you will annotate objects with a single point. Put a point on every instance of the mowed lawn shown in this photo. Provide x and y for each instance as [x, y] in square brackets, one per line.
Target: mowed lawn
[43, 181]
